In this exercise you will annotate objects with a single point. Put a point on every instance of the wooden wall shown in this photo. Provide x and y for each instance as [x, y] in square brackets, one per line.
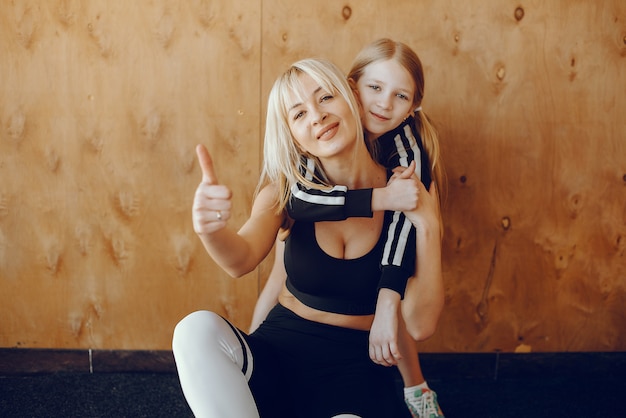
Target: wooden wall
[102, 102]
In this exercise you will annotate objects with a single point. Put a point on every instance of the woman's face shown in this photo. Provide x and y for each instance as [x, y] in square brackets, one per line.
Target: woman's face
[321, 122]
[386, 92]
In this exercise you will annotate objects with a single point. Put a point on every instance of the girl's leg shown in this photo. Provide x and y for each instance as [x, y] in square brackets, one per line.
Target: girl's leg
[421, 401]
[214, 365]
[409, 365]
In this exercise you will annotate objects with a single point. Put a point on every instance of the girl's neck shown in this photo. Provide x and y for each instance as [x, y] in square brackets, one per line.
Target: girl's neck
[370, 137]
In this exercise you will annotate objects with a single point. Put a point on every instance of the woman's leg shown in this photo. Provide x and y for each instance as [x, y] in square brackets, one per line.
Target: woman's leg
[214, 365]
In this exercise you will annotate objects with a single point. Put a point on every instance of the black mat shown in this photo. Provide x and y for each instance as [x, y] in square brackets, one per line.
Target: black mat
[159, 395]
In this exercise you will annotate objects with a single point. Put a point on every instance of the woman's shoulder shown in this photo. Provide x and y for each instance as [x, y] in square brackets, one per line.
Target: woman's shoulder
[266, 214]
[268, 195]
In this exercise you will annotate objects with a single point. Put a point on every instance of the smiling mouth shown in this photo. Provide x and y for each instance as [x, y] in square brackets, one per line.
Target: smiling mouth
[379, 117]
[328, 132]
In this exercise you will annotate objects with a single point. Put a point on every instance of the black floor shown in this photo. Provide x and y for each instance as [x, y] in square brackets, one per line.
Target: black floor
[159, 395]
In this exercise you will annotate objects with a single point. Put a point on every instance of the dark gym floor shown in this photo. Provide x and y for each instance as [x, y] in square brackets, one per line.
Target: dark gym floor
[536, 389]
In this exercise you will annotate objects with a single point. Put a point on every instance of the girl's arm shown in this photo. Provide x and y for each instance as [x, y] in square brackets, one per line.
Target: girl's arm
[236, 252]
[339, 203]
[275, 282]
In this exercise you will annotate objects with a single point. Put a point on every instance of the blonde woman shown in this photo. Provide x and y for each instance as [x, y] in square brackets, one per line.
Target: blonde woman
[388, 79]
[309, 357]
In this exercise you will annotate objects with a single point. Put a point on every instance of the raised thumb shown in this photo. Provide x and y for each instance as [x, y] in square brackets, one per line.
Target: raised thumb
[206, 165]
[409, 171]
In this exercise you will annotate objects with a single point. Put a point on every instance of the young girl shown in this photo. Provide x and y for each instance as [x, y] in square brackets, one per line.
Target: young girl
[388, 80]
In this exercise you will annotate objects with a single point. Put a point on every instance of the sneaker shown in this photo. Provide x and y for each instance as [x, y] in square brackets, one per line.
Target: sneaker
[423, 404]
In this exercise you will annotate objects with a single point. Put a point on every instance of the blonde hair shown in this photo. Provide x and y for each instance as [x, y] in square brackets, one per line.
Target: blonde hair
[284, 161]
[385, 49]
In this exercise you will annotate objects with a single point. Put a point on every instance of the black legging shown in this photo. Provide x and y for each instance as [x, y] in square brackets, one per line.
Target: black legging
[307, 369]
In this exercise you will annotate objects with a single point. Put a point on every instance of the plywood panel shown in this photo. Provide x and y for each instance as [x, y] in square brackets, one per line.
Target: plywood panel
[102, 104]
[536, 164]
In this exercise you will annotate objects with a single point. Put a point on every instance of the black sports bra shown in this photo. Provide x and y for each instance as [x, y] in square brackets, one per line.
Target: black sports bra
[327, 283]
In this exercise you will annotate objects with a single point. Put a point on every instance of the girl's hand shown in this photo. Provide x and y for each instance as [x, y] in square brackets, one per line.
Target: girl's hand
[427, 215]
[401, 192]
[212, 201]
[401, 172]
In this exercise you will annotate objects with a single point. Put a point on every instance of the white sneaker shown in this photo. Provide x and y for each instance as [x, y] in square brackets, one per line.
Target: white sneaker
[423, 404]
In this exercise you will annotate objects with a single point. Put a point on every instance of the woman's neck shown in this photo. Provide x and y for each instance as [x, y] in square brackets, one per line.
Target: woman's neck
[355, 172]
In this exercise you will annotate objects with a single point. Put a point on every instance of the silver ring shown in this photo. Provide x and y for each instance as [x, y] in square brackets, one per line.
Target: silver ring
[219, 215]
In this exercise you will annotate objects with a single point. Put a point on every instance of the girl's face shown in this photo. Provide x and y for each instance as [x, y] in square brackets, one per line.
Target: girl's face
[322, 123]
[386, 92]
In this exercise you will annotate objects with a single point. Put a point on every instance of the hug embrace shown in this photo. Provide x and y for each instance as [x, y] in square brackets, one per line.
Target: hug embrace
[349, 178]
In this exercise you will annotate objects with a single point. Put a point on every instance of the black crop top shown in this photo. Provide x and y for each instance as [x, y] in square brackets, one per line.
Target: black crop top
[327, 283]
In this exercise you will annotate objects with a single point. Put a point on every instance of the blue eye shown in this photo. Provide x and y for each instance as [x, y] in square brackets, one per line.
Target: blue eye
[374, 87]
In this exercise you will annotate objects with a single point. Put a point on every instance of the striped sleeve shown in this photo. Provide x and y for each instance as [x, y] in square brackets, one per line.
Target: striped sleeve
[336, 204]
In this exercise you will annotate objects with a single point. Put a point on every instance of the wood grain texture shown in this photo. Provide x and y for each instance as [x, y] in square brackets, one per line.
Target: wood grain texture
[102, 102]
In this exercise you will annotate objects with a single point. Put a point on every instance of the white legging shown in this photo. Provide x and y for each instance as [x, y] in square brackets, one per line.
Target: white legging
[214, 365]
[210, 358]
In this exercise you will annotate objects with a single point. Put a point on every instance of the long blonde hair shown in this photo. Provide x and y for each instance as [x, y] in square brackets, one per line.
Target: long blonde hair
[386, 49]
[284, 161]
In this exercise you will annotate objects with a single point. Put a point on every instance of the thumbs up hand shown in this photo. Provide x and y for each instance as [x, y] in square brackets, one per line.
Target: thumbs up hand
[212, 201]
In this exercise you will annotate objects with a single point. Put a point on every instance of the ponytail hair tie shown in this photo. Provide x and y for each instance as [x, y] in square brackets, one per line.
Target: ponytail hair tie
[418, 109]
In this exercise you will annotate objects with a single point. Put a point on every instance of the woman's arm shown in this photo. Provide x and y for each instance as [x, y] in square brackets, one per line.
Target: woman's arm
[236, 252]
[275, 282]
[424, 296]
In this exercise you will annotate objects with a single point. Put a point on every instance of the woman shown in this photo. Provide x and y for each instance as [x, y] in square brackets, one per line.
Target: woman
[388, 80]
[309, 358]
